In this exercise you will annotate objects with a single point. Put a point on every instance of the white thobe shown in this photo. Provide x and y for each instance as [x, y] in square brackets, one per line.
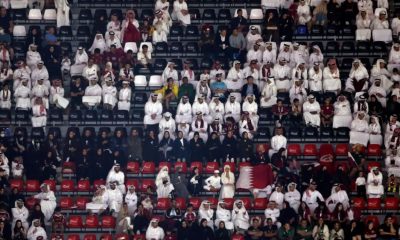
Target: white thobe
[152, 108]
[114, 199]
[90, 72]
[21, 73]
[159, 36]
[297, 92]
[304, 14]
[131, 200]
[379, 24]
[21, 214]
[196, 127]
[396, 26]
[214, 72]
[166, 126]
[357, 75]
[363, 23]
[208, 215]
[115, 41]
[255, 73]
[375, 90]
[232, 110]
[32, 59]
[268, 95]
[331, 82]
[244, 127]
[22, 97]
[228, 186]
[225, 216]
[39, 116]
[338, 197]
[5, 99]
[164, 190]
[282, 76]
[109, 94]
[168, 73]
[119, 178]
[315, 80]
[124, 97]
[342, 117]
[240, 218]
[375, 135]
[93, 91]
[38, 74]
[63, 8]
[55, 93]
[251, 39]
[359, 132]
[297, 57]
[272, 213]
[293, 198]
[184, 113]
[277, 142]
[374, 187]
[311, 199]
[47, 203]
[286, 55]
[177, 14]
[269, 56]
[98, 203]
[204, 109]
[278, 198]
[314, 58]
[165, 20]
[217, 110]
[254, 55]
[185, 130]
[113, 27]
[212, 181]
[40, 90]
[35, 232]
[252, 108]
[155, 233]
[313, 119]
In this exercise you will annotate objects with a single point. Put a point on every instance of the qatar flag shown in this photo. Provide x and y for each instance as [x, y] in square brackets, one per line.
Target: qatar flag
[259, 177]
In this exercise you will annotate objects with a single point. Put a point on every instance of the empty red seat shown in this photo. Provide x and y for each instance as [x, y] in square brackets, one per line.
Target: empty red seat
[91, 221]
[195, 201]
[293, 150]
[260, 203]
[211, 167]
[133, 167]
[67, 186]
[213, 202]
[342, 149]
[32, 186]
[68, 167]
[262, 148]
[75, 221]
[374, 150]
[373, 164]
[81, 202]
[98, 182]
[237, 237]
[359, 202]
[164, 164]
[30, 202]
[325, 149]
[163, 203]
[229, 203]
[232, 165]
[73, 237]
[181, 203]
[51, 183]
[83, 186]
[374, 203]
[392, 203]
[146, 183]
[310, 150]
[246, 202]
[134, 182]
[107, 236]
[17, 183]
[198, 165]
[122, 236]
[66, 203]
[89, 237]
[148, 168]
[183, 166]
[108, 222]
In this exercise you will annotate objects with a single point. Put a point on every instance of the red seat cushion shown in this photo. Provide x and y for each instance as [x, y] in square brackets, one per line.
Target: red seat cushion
[195, 201]
[238, 237]
[293, 150]
[66, 203]
[108, 222]
[75, 221]
[310, 150]
[17, 183]
[147, 183]
[107, 236]
[183, 166]
[359, 202]
[133, 182]
[342, 149]
[52, 184]
[122, 236]
[67, 186]
[373, 219]
[213, 202]
[246, 202]
[73, 237]
[32, 186]
[83, 186]
[139, 237]
[180, 203]
[163, 203]
[164, 164]
[326, 149]
[81, 202]
[373, 164]
[260, 203]
[133, 167]
[199, 165]
[392, 203]
[211, 166]
[92, 221]
[229, 203]
[374, 150]
[148, 168]
[374, 203]
[68, 167]
[30, 202]
[89, 237]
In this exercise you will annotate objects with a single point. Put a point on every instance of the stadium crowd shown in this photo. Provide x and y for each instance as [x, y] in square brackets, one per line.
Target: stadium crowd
[216, 120]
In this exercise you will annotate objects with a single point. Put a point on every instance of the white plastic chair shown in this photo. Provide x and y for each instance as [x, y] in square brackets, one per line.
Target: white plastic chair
[382, 35]
[363, 34]
[140, 81]
[378, 10]
[149, 44]
[155, 81]
[19, 4]
[130, 46]
[50, 14]
[35, 14]
[244, 13]
[19, 31]
[256, 14]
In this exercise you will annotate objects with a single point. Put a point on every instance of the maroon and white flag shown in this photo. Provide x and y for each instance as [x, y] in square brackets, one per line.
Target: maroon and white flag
[259, 176]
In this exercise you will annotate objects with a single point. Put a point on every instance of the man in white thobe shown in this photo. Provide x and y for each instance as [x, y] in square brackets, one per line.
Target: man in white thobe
[63, 8]
[232, 108]
[93, 94]
[90, 71]
[272, 212]
[47, 201]
[342, 116]
[374, 183]
[268, 94]
[115, 199]
[199, 125]
[113, 40]
[162, 20]
[394, 55]
[278, 141]
[22, 96]
[39, 113]
[56, 92]
[338, 196]
[331, 78]
[255, 53]
[304, 13]
[234, 80]
[154, 232]
[380, 22]
[269, 55]
[181, 12]
[252, 38]
[250, 106]
[153, 111]
[292, 196]
[131, 200]
[201, 106]
[315, 78]
[184, 111]
[40, 73]
[254, 71]
[109, 93]
[23, 72]
[359, 133]
[285, 52]
[213, 183]
[282, 75]
[217, 109]
[33, 57]
[117, 177]
[167, 124]
[81, 60]
[311, 110]
[124, 97]
[42, 91]
[299, 55]
[378, 91]
[311, 196]
[36, 232]
[21, 213]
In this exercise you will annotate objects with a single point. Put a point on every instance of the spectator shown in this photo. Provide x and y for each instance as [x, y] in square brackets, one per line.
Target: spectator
[240, 217]
[113, 39]
[327, 113]
[195, 180]
[213, 183]
[63, 9]
[349, 12]
[36, 231]
[363, 20]
[239, 22]
[285, 27]
[154, 231]
[320, 14]
[380, 22]
[181, 12]
[252, 37]
[130, 28]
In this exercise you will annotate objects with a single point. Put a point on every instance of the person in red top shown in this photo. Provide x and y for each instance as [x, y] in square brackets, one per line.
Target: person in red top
[58, 221]
[327, 111]
[130, 28]
[97, 57]
[114, 55]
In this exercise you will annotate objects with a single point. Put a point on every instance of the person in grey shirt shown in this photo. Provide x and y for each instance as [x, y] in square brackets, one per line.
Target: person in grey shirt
[238, 45]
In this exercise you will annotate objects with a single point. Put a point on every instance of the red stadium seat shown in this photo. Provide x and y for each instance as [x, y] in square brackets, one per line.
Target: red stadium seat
[68, 167]
[293, 150]
[181, 203]
[342, 149]
[57, 236]
[107, 236]
[392, 203]
[30, 202]
[232, 165]
[211, 167]
[91, 221]
[163, 203]
[67, 186]
[199, 165]
[32, 186]
[148, 168]
[52, 184]
[108, 222]
[146, 183]
[260, 203]
[374, 150]
[90, 237]
[374, 203]
[133, 167]
[325, 149]
[213, 202]
[229, 203]
[373, 219]
[98, 182]
[17, 183]
[310, 150]
[81, 202]
[73, 237]
[244, 164]
[165, 164]
[195, 201]
[122, 236]
[83, 186]
[359, 202]
[183, 165]
[75, 221]
[373, 164]
[66, 203]
[237, 237]
[134, 182]
[246, 202]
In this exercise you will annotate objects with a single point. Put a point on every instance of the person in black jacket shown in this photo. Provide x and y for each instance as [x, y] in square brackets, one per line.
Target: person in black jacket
[181, 148]
[229, 145]
[222, 43]
[173, 217]
[214, 147]
[195, 182]
[197, 148]
[204, 232]
[222, 233]
[250, 88]
[150, 147]
[245, 147]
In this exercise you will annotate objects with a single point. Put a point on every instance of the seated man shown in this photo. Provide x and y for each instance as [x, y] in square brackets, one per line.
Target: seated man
[93, 92]
[218, 88]
[213, 183]
[144, 59]
[279, 111]
[311, 112]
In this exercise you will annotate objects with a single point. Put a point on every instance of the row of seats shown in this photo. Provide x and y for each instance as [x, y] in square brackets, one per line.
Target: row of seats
[105, 236]
[376, 204]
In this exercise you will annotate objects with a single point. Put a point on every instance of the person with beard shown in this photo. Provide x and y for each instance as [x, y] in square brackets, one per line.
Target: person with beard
[245, 147]
[288, 214]
[214, 147]
[150, 147]
[71, 145]
[48, 166]
[33, 159]
[324, 179]
[197, 148]
[134, 145]
[84, 166]
[229, 145]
